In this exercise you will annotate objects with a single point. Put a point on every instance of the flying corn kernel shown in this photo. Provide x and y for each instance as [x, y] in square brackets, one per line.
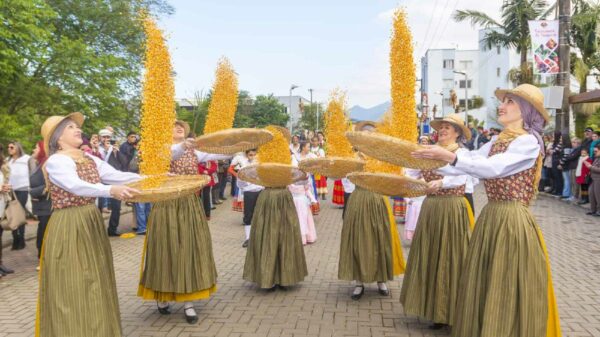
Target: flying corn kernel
[403, 77]
[158, 108]
[336, 124]
[223, 104]
[277, 150]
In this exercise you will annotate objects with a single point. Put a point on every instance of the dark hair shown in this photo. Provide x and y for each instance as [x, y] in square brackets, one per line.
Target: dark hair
[303, 145]
[131, 133]
[597, 146]
[566, 143]
[250, 150]
[18, 147]
[556, 137]
[597, 133]
[586, 150]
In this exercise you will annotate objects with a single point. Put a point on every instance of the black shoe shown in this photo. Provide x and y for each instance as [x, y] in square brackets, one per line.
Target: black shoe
[272, 289]
[284, 288]
[213, 208]
[437, 326]
[223, 198]
[142, 233]
[191, 319]
[5, 270]
[384, 292]
[134, 229]
[114, 234]
[357, 297]
[245, 244]
[590, 213]
[165, 310]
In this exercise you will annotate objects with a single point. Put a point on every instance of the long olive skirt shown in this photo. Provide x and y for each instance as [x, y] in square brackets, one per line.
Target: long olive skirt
[504, 288]
[275, 255]
[78, 294]
[178, 263]
[366, 247]
[436, 259]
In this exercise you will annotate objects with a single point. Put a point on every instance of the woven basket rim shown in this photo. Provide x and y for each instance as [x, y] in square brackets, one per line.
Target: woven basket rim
[186, 184]
[251, 174]
[232, 141]
[333, 167]
[284, 131]
[389, 184]
[390, 149]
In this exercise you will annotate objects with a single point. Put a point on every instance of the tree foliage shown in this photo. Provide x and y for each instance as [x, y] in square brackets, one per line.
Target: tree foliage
[308, 120]
[59, 56]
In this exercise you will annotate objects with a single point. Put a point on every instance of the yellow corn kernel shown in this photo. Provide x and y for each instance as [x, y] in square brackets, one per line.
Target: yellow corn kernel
[158, 107]
[336, 124]
[223, 104]
[275, 151]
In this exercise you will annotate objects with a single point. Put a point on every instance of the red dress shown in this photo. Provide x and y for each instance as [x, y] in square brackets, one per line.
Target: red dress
[338, 193]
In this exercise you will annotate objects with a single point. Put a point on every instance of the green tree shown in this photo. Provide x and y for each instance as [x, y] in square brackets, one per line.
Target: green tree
[308, 120]
[267, 110]
[512, 31]
[59, 56]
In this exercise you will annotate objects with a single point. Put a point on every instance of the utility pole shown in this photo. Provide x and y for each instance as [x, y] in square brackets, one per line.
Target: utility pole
[564, 26]
[311, 107]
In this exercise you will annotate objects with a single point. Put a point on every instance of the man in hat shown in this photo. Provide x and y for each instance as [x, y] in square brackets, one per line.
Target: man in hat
[112, 156]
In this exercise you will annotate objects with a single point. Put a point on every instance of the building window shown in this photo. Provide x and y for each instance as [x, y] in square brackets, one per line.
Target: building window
[466, 65]
[498, 49]
[448, 84]
[448, 64]
[498, 72]
[447, 102]
[461, 84]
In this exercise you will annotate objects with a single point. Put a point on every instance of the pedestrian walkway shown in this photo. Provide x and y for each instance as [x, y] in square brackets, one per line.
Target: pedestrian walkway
[321, 305]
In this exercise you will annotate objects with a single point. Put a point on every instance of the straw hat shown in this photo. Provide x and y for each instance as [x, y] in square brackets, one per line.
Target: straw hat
[390, 149]
[530, 93]
[454, 119]
[185, 126]
[389, 184]
[271, 174]
[232, 141]
[332, 167]
[52, 122]
[171, 188]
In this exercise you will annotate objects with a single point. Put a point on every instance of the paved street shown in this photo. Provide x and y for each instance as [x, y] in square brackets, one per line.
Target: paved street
[320, 306]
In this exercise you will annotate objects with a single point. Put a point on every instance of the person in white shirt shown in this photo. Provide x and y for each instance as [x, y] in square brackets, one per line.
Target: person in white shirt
[18, 163]
[348, 189]
[77, 278]
[250, 192]
[507, 289]
[295, 145]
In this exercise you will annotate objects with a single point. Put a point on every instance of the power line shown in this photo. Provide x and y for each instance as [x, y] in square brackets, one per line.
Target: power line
[428, 27]
[447, 21]
[438, 24]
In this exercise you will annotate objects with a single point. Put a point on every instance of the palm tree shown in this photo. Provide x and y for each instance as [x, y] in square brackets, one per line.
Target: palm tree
[512, 31]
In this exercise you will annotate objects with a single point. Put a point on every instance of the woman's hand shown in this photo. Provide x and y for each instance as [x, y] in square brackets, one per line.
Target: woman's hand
[434, 152]
[122, 192]
[6, 188]
[189, 143]
[433, 186]
[587, 163]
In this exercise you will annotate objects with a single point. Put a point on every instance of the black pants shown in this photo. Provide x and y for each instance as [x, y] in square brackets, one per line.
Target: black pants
[233, 185]
[584, 192]
[250, 199]
[557, 181]
[19, 233]
[206, 200]
[346, 198]
[222, 184]
[115, 214]
[215, 193]
[469, 197]
[40, 232]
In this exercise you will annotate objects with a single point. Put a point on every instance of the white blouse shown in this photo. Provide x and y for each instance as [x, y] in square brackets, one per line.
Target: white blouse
[177, 150]
[19, 173]
[62, 171]
[520, 155]
[448, 181]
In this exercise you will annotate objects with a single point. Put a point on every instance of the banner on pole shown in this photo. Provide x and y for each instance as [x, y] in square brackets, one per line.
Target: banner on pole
[544, 45]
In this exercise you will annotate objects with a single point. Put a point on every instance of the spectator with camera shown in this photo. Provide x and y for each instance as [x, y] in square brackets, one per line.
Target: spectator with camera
[112, 156]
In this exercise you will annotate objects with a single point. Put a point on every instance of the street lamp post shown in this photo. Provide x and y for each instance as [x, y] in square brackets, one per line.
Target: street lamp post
[466, 94]
[311, 106]
[291, 113]
[441, 93]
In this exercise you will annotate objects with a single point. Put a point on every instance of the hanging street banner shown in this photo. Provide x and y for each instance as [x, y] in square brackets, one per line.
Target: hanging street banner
[544, 44]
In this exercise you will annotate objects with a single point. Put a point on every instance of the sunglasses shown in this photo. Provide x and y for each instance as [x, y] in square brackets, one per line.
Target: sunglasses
[11, 147]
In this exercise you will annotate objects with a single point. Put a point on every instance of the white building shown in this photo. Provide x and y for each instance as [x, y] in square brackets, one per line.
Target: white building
[486, 70]
[297, 104]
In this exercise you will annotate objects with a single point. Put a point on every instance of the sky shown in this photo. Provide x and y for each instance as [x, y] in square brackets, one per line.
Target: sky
[315, 44]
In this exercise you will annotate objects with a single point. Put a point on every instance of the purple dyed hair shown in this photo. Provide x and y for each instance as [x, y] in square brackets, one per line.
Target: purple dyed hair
[533, 121]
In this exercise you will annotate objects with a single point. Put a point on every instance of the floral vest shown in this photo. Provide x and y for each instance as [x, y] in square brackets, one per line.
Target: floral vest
[430, 175]
[516, 187]
[186, 165]
[87, 171]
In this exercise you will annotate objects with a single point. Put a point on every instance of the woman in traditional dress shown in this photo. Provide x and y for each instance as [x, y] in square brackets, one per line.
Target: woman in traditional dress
[506, 288]
[304, 152]
[338, 193]
[439, 248]
[303, 199]
[77, 293]
[177, 262]
[367, 249]
[320, 181]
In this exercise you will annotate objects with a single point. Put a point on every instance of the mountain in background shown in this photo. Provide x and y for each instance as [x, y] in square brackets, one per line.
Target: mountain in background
[358, 113]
